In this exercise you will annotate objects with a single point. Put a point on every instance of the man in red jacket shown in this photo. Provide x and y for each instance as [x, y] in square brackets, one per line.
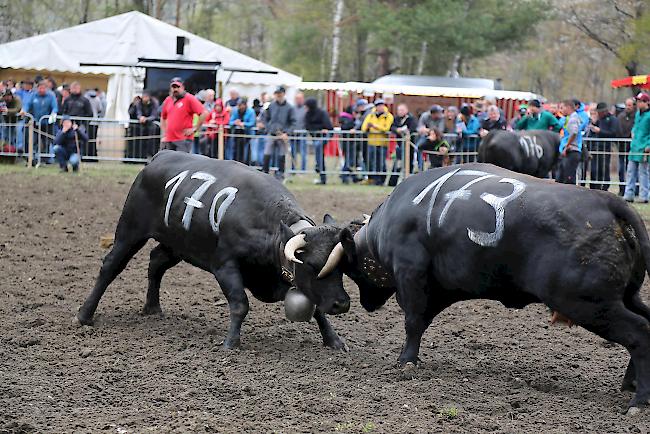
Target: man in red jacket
[176, 118]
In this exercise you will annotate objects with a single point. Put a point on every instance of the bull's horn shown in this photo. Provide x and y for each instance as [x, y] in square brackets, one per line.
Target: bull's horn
[332, 260]
[296, 242]
[366, 219]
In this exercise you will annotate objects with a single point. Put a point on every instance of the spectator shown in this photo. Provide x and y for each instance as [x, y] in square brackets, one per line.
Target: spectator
[51, 84]
[147, 113]
[605, 127]
[209, 100]
[467, 126]
[346, 123]
[493, 121]
[430, 119]
[377, 124]
[242, 121]
[217, 118]
[436, 148]
[68, 143]
[95, 103]
[77, 105]
[450, 119]
[24, 92]
[626, 122]
[257, 106]
[637, 165]
[299, 141]
[65, 92]
[570, 145]
[318, 123]
[177, 114]
[520, 114]
[403, 126]
[279, 121]
[43, 108]
[537, 119]
[234, 99]
[361, 109]
[10, 85]
[10, 107]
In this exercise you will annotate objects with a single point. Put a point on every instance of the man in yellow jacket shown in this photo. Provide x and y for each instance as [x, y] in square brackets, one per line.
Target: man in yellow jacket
[377, 124]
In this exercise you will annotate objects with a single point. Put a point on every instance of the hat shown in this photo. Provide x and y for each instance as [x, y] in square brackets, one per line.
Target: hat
[465, 110]
[361, 102]
[535, 103]
[436, 109]
[379, 102]
[642, 96]
[242, 100]
[602, 107]
[65, 118]
[176, 80]
[523, 107]
[280, 89]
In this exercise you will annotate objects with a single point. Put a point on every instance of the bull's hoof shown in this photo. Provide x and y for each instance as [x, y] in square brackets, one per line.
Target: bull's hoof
[409, 370]
[633, 411]
[336, 343]
[231, 344]
[151, 310]
[628, 386]
[82, 320]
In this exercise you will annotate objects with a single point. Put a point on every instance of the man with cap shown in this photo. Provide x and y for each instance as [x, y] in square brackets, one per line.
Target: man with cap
[537, 119]
[68, 144]
[176, 118]
[279, 121]
[570, 144]
[637, 166]
[377, 124]
[606, 127]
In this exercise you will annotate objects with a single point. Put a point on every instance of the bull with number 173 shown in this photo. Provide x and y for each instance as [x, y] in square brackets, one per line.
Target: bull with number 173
[233, 221]
[477, 231]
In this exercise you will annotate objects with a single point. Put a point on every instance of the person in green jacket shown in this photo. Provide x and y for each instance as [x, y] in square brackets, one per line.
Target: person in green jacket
[637, 165]
[538, 119]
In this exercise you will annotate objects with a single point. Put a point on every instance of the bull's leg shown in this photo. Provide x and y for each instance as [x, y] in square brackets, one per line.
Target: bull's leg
[637, 306]
[161, 259]
[330, 338]
[419, 311]
[113, 264]
[617, 323]
[230, 281]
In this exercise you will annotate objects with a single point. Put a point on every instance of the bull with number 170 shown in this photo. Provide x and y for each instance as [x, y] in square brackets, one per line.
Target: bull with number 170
[239, 224]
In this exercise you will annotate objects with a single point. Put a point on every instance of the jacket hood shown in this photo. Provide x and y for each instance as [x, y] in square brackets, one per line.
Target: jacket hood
[218, 102]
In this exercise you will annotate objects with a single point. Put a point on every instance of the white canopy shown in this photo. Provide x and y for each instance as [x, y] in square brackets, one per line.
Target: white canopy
[122, 39]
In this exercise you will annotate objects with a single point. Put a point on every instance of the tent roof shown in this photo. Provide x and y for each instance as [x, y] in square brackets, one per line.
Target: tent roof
[448, 92]
[434, 81]
[122, 39]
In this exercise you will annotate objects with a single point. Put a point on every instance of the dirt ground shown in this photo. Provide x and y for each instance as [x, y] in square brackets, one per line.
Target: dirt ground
[484, 368]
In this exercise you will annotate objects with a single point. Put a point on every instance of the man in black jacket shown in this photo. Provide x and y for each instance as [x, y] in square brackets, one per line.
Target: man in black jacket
[405, 127]
[606, 127]
[279, 121]
[146, 111]
[318, 124]
[68, 145]
[76, 104]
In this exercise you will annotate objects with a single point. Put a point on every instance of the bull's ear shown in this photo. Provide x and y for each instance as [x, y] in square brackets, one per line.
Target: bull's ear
[347, 241]
[285, 232]
[328, 220]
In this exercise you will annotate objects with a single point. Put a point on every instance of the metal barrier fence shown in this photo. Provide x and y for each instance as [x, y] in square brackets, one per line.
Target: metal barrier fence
[349, 155]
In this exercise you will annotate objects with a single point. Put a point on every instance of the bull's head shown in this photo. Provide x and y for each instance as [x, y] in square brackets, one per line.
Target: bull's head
[309, 251]
[352, 257]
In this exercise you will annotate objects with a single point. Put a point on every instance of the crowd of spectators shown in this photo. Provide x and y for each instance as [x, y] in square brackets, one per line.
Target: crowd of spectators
[263, 132]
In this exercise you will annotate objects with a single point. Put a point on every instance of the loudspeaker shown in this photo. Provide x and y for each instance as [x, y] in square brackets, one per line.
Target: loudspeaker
[181, 41]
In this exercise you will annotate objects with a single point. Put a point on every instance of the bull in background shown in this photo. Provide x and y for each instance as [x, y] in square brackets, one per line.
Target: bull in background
[529, 152]
[482, 232]
[226, 218]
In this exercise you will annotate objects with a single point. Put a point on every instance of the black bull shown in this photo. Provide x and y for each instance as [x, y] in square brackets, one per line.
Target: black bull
[482, 232]
[239, 224]
[530, 152]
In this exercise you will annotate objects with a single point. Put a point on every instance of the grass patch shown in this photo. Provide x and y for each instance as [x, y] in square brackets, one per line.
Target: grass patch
[450, 412]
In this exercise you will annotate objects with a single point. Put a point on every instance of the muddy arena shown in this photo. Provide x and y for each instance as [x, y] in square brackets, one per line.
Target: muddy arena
[484, 368]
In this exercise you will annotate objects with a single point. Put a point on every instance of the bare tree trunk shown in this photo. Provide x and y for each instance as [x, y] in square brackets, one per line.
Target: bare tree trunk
[423, 55]
[336, 39]
[178, 13]
[85, 10]
[383, 62]
[454, 71]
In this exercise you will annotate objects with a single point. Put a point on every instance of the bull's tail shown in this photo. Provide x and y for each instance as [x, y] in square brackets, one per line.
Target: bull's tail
[629, 215]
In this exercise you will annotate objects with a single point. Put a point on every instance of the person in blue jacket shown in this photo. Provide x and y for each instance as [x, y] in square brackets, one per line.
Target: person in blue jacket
[467, 128]
[43, 108]
[242, 121]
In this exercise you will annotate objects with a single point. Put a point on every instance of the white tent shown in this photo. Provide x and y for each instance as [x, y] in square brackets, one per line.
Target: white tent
[122, 39]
